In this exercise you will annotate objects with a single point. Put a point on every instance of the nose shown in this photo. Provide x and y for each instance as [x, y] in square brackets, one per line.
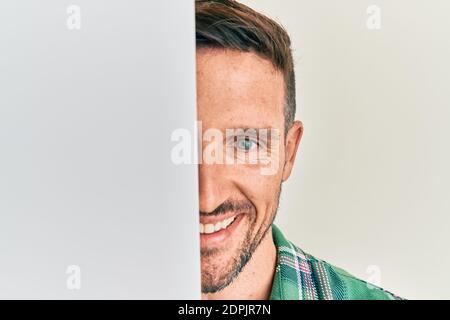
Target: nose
[214, 188]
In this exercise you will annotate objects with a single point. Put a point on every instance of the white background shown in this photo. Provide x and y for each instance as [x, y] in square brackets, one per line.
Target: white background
[371, 184]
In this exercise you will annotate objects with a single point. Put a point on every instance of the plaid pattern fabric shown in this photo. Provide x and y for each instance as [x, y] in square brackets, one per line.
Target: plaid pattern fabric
[300, 276]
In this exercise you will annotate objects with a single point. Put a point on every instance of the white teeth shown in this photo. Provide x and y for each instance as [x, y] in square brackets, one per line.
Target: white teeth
[226, 223]
[211, 228]
[223, 224]
[208, 228]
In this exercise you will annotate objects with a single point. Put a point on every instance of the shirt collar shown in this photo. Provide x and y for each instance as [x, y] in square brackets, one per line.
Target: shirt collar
[293, 279]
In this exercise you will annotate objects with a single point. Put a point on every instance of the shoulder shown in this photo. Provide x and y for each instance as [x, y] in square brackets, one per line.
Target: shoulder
[299, 275]
[342, 285]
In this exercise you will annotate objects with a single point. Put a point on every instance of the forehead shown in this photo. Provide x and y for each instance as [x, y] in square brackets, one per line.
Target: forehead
[238, 89]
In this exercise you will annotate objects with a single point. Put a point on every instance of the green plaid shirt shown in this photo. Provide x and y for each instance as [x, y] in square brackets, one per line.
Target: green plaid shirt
[300, 276]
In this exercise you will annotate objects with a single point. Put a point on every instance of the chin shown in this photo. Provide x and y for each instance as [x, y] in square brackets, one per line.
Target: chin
[220, 269]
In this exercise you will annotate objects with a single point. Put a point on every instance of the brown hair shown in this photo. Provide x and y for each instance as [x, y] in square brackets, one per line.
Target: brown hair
[229, 24]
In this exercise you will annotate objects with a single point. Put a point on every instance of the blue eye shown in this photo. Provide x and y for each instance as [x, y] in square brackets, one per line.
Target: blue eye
[246, 144]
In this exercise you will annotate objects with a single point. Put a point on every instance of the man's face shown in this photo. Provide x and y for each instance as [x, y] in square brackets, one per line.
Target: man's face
[237, 90]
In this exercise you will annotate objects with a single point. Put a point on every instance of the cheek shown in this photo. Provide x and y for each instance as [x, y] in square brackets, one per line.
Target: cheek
[261, 190]
[253, 177]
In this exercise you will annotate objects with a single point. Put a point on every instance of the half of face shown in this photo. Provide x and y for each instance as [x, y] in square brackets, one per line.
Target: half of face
[238, 202]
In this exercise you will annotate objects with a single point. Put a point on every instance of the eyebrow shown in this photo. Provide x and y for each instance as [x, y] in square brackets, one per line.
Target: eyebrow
[268, 130]
[254, 128]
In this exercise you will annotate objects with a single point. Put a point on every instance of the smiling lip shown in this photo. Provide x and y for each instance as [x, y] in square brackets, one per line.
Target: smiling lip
[223, 234]
[213, 219]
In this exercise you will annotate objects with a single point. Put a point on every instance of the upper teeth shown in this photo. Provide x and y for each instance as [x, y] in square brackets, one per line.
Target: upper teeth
[210, 228]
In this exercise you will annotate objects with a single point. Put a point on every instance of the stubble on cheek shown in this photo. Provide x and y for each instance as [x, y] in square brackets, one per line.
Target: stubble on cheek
[220, 266]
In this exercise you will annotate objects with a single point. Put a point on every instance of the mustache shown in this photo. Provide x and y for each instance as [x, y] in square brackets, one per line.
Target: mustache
[229, 205]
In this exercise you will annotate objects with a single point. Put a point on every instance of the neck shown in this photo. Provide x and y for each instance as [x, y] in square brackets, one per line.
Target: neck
[256, 278]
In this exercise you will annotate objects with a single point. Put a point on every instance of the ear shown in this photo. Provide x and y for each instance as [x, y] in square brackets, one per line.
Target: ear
[293, 138]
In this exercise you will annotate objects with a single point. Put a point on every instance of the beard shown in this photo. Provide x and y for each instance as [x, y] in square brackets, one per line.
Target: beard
[217, 274]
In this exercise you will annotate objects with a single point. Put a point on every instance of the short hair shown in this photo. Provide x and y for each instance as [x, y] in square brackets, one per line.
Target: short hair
[228, 24]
